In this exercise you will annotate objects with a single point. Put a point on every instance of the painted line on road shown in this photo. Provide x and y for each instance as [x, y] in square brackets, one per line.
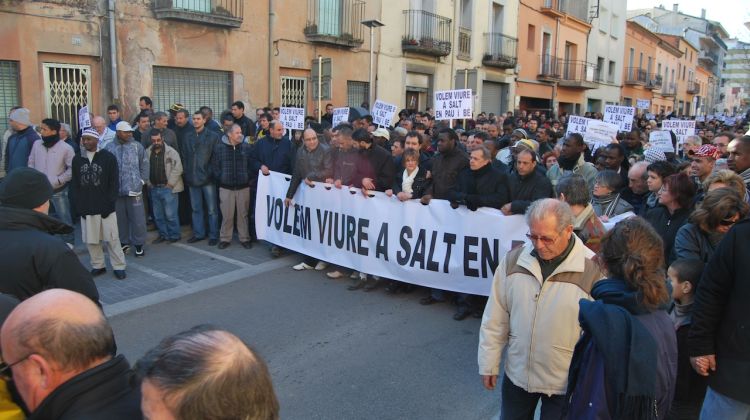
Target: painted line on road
[185, 288]
[158, 274]
[214, 255]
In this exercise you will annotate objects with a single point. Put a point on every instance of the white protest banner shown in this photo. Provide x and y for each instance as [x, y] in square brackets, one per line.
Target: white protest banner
[577, 124]
[680, 128]
[651, 116]
[340, 115]
[622, 116]
[453, 104]
[643, 104]
[700, 118]
[434, 246]
[599, 133]
[292, 118]
[609, 224]
[382, 113]
[661, 140]
[84, 118]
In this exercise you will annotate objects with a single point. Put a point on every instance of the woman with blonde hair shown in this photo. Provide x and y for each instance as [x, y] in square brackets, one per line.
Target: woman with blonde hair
[718, 212]
[625, 363]
[725, 178]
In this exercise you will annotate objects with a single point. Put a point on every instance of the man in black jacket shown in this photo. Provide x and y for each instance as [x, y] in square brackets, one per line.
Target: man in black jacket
[245, 123]
[376, 169]
[31, 259]
[481, 185]
[526, 184]
[196, 164]
[74, 374]
[719, 339]
[95, 186]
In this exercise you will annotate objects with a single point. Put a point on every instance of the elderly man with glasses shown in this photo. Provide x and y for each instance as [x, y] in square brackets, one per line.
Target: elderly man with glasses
[533, 309]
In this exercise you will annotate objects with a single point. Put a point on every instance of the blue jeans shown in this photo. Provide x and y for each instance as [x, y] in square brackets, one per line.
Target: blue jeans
[198, 195]
[718, 406]
[61, 205]
[164, 203]
[517, 404]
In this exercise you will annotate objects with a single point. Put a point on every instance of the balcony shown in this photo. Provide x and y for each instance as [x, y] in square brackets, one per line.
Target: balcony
[578, 74]
[224, 13]
[549, 68]
[499, 51]
[635, 76]
[558, 8]
[693, 87]
[654, 81]
[708, 57]
[426, 33]
[464, 43]
[669, 90]
[335, 22]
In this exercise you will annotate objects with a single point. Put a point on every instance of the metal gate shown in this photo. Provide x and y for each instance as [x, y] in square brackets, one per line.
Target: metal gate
[357, 93]
[294, 92]
[193, 88]
[8, 90]
[494, 97]
[67, 88]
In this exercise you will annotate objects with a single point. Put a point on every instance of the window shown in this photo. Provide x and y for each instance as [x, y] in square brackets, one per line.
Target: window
[599, 69]
[611, 72]
[294, 92]
[614, 28]
[67, 88]
[193, 88]
[683, 72]
[603, 20]
[8, 90]
[203, 6]
[627, 101]
[658, 69]
[357, 93]
[640, 62]
[530, 38]
[325, 83]
[466, 10]
[632, 56]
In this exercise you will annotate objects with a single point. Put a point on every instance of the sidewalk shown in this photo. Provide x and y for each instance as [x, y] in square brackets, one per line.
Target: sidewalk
[170, 270]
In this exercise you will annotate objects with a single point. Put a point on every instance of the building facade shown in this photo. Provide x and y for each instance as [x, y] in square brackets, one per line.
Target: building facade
[736, 76]
[606, 49]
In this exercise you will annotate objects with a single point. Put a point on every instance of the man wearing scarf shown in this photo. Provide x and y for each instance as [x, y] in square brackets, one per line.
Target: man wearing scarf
[571, 161]
[54, 159]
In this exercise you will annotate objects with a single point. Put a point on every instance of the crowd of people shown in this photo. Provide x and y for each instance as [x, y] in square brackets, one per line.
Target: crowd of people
[643, 276]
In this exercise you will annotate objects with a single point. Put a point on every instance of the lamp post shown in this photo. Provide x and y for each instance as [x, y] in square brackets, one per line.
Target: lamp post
[372, 23]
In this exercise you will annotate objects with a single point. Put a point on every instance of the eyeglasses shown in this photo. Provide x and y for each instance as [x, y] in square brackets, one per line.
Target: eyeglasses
[545, 239]
[6, 373]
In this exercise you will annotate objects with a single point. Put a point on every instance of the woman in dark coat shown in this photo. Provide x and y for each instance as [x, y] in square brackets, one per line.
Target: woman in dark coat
[675, 206]
[625, 364]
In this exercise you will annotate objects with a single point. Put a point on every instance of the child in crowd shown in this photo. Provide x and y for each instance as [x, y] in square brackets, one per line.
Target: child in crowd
[691, 387]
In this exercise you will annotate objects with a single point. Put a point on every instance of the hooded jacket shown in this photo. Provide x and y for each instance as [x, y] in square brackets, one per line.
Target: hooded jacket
[55, 162]
[33, 260]
[132, 163]
[95, 184]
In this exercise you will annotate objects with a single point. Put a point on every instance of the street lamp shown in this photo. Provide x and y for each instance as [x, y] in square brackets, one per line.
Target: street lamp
[372, 23]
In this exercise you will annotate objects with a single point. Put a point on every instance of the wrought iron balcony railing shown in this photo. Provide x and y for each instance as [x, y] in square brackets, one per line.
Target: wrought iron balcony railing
[426, 33]
[226, 13]
[578, 74]
[500, 51]
[635, 76]
[336, 22]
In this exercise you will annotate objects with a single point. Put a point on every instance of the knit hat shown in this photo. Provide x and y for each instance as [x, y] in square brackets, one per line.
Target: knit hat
[707, 150]
[90, 132]
[528, 144]
[21, 116]
[25, 188]
[653, 154]
[522, 132]
[382, 132]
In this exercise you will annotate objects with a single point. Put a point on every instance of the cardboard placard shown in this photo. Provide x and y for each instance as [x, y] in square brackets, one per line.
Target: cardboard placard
[84, 118]
[340, 115]
[382, 113]
[622, 116]
[643, 104]
[681, 128]
[661, 140]
[292, 118]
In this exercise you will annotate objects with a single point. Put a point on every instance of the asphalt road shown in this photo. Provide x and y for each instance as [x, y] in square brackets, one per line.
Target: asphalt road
[333, 353]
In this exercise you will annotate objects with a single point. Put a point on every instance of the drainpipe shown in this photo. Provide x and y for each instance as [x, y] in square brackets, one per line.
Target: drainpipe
[271, 20]
[113, 51]
[555, 103]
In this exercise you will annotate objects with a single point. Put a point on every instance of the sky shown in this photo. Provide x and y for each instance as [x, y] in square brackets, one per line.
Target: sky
[732, 14]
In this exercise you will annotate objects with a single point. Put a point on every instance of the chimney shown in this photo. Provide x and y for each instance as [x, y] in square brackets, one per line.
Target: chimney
[675, 7]
[703, 13]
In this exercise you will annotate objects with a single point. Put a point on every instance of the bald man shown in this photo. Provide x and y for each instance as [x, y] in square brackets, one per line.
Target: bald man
[205, 372]
[106, 135]
[58, 347]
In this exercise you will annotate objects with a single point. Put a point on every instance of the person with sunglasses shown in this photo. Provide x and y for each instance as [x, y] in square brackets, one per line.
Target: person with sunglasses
[717, 213]
[533, 310]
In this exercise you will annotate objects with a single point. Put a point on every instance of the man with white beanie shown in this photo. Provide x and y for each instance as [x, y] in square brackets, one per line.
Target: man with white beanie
[18, 149]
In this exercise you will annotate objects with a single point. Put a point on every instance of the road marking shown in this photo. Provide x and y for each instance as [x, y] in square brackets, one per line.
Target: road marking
[214, 255]
[184, 288]
[158, 274]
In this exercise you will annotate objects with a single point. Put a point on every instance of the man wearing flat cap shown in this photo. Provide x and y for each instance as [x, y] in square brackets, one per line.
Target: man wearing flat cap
[32, 259]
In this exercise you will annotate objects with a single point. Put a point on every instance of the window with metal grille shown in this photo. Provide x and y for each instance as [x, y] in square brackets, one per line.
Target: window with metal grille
[357, 93]
[8, 91]
[67, 89]
[294, 92]
[192, 88]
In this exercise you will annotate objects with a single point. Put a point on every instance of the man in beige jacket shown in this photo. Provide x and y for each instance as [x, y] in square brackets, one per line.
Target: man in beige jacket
[165, 182]
[533, 309]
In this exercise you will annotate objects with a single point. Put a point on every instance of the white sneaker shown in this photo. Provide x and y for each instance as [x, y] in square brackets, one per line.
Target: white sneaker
[321, 265]
[302, 266]
[335, 274]
[354, 275]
